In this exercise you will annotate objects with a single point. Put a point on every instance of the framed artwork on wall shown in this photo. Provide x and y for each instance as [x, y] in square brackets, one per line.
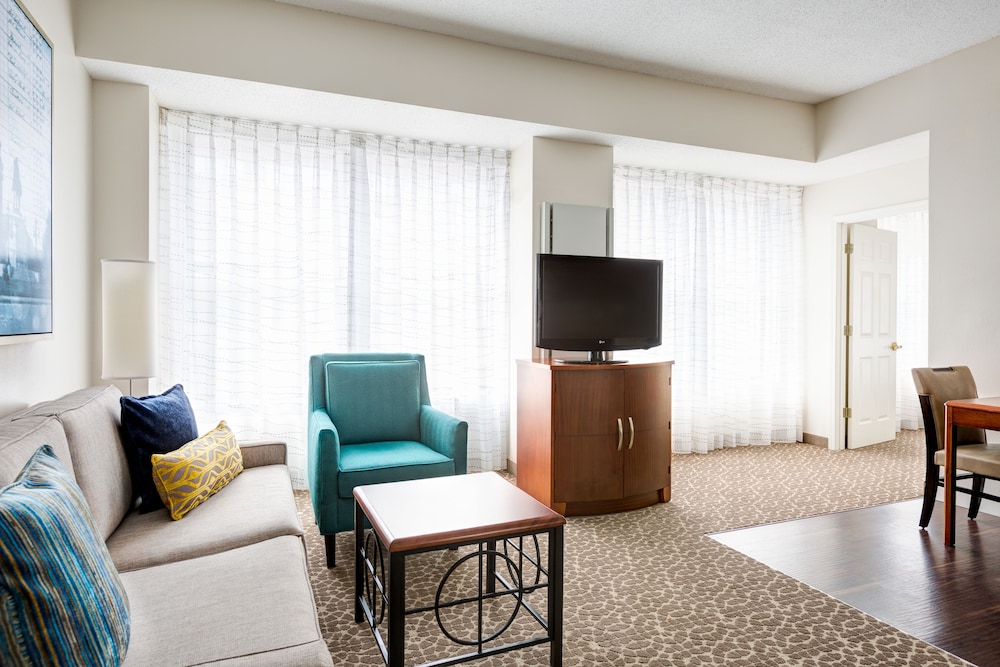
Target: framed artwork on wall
[25, 177]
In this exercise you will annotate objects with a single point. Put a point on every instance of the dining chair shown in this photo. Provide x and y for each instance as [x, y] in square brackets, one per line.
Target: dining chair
[979, 461]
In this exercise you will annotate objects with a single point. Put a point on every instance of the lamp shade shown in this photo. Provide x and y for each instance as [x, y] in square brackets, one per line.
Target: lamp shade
[128, 303]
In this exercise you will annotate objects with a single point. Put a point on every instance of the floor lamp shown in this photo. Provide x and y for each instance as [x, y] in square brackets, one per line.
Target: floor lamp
[128, 308]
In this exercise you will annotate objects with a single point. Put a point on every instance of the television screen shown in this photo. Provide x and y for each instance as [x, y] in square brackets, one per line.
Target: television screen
[597, 304]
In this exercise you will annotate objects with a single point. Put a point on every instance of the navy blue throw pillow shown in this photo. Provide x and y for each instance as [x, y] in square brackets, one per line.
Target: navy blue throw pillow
[154, 425]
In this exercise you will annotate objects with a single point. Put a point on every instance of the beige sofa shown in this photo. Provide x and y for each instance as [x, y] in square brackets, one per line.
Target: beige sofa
[227, 584]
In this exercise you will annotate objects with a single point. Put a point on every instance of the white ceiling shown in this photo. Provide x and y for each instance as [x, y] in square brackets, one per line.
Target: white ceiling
[800, 50]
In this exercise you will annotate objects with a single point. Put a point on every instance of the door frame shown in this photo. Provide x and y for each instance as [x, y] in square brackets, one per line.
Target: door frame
[838, 437]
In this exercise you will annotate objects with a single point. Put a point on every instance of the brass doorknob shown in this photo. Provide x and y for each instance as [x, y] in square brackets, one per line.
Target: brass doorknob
[895, 346]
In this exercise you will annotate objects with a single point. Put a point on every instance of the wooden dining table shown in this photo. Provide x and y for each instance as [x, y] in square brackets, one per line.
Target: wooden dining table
[974, 413]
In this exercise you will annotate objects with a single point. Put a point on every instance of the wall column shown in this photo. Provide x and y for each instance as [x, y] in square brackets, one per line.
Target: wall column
[125, 178]
[544, 170]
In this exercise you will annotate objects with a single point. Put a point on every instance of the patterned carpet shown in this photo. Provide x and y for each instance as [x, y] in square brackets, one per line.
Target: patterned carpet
[649, 588]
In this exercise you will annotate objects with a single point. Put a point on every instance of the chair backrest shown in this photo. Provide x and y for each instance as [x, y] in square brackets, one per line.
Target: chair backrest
[370, 396]
[941, 385]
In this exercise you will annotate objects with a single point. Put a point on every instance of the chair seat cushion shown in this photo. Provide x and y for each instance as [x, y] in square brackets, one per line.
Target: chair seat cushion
[977, 459]
[392, 461]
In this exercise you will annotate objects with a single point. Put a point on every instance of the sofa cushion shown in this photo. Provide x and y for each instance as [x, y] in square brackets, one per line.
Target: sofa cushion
[154, 425]
[91, 420]
[61, 599]
[21, 438]
[187, 477]
[370, 401]
[378, 462]
[258, 505]
[254, 601]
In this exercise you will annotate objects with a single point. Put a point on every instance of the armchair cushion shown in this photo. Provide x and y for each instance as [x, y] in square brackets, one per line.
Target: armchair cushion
[378, 462]
[374, 401]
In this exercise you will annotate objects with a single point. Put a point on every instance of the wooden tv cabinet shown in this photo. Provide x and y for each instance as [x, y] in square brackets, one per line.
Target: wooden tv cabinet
[594, 439]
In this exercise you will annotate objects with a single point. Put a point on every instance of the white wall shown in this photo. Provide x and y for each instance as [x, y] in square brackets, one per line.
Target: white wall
[270, 42]
[544, 170]
[125, 189]
[964, 312]
[956, 99]
[32, 372]
[821, 204]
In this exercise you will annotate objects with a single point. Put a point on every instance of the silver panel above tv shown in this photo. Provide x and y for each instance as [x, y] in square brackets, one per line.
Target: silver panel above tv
[573, 229]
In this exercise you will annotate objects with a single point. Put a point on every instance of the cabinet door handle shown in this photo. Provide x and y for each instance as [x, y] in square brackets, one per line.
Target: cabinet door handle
[631, 433]
[621, 434]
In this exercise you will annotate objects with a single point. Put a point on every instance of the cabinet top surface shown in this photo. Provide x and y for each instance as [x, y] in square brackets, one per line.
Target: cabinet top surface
[570, 366]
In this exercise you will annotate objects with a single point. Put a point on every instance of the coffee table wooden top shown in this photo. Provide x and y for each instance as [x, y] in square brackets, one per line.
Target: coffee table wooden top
[442, 511]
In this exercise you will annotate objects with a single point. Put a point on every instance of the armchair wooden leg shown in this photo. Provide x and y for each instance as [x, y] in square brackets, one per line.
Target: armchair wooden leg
[978, 483]
[331, 550]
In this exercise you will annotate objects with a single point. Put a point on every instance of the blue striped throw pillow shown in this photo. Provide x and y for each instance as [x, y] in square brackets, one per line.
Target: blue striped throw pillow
[61, 599]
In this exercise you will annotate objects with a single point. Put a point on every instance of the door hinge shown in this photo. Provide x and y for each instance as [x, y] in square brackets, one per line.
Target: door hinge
[848, 330]
[847, 413]
[848, 248]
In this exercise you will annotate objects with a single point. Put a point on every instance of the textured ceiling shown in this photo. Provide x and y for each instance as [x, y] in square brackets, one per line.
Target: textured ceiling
[800, 50]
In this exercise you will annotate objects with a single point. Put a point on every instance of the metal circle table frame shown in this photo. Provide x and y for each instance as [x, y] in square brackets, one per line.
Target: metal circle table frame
[482, 510]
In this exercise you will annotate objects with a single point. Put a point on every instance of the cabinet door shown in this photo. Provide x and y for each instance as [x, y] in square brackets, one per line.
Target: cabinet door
[647, 464]
[587, 402]
[647, 397]
[586, 406]
[647, 451]
[587, 468]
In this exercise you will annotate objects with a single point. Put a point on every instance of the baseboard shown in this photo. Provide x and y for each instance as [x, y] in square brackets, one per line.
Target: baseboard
[512, 467]
[811, 439]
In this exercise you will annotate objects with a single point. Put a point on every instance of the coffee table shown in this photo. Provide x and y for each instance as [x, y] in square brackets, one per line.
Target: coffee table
[482, 510]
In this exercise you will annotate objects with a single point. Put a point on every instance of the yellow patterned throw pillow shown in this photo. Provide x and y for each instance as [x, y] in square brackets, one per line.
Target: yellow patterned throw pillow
[187, 477]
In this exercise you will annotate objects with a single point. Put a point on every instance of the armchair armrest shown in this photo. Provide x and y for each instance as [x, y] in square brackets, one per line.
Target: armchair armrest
[324, 455]
[445, 434]
[264, 453]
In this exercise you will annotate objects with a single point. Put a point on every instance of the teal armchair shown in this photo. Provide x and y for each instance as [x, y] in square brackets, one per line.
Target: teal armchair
[371, 421]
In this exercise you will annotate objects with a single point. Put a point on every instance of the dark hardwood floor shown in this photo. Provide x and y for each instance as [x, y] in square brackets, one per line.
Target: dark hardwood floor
[878, 560]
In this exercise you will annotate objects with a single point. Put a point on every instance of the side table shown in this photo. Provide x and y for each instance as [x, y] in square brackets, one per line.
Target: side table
[483, 510]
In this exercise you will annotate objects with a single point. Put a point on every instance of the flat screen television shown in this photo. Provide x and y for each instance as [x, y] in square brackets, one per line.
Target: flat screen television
[598, 304]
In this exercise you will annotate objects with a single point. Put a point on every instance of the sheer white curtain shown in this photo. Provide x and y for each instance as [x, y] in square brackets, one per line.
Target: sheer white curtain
[911, 229]
[278, 242]
[732, 308]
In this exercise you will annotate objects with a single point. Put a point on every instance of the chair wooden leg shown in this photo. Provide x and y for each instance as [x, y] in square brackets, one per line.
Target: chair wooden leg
[331, 550]
[978, 483]
[930, 494]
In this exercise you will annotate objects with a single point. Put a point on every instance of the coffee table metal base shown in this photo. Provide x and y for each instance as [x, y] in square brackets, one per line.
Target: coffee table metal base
[501, 563]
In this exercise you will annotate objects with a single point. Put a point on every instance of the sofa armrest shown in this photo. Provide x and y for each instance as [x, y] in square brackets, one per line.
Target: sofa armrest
[264, 453]
[445, 434]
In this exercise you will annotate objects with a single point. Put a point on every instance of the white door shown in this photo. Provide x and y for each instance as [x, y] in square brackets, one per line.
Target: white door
[871, 339]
